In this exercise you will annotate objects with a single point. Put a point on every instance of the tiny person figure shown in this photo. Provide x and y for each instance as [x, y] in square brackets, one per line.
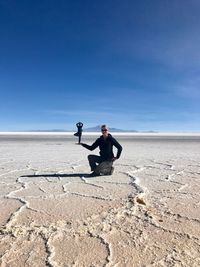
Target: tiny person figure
[79, 125]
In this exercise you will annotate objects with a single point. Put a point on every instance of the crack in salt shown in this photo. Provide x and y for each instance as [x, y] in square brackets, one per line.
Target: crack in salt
[90, 196]
[107, 245]
[86, 182]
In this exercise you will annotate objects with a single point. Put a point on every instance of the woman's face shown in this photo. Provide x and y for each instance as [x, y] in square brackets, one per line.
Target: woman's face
[104, 132]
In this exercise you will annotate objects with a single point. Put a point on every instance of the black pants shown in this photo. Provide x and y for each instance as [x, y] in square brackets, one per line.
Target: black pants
[93, 159]
[79, 134]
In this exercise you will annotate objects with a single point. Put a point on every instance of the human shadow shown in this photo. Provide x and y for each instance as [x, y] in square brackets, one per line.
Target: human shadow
[58, 175]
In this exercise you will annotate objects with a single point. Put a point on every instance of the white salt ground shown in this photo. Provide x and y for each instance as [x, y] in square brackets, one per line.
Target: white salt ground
[146, 214]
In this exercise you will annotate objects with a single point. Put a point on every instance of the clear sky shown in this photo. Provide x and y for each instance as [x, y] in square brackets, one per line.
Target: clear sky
[131, 64]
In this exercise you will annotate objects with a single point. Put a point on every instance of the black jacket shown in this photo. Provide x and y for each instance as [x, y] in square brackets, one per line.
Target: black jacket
[106, 147]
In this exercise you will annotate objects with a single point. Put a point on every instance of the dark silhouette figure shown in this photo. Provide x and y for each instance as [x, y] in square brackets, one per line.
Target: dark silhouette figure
[79, 125]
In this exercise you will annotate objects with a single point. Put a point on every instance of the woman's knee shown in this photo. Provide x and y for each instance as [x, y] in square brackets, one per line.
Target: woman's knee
[90, 157]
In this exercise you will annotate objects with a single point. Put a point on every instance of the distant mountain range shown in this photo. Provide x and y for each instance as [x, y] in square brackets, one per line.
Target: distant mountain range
[98, 129]
[93, 129]
[113, 130]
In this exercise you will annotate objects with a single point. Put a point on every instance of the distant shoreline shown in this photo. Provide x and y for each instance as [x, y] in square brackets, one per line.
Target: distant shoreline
[99, 133]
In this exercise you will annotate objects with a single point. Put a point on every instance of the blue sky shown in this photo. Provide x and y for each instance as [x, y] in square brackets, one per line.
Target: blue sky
[130, 64]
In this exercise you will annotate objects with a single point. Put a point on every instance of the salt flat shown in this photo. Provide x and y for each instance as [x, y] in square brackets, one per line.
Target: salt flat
[146, 214]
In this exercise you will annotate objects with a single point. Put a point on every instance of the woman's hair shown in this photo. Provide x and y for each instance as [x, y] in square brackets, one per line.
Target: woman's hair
[104, 126]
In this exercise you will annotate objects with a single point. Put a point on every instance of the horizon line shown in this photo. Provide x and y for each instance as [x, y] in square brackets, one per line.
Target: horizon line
[142, 133]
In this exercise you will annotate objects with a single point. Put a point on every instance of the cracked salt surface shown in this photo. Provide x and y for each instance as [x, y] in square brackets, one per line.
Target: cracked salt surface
[146, 214]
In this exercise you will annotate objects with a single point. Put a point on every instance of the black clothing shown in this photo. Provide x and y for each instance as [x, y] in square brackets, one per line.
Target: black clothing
[93, 159]
[79, 125]
[106, 147]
